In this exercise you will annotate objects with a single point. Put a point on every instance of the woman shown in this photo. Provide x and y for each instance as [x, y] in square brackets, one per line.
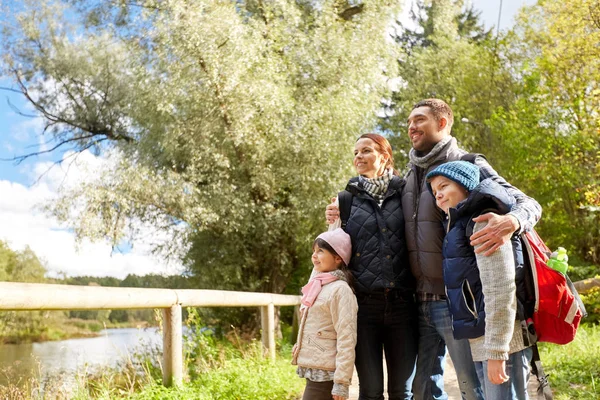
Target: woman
[383, 282]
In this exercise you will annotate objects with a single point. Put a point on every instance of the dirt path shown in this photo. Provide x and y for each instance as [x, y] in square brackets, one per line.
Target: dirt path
[450, 383]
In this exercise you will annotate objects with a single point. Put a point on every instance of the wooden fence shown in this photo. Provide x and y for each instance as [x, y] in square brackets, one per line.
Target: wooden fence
[36, 296]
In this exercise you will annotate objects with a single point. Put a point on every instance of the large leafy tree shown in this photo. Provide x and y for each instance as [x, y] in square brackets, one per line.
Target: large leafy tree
[227, 123]
[455, 59]
[551, 136]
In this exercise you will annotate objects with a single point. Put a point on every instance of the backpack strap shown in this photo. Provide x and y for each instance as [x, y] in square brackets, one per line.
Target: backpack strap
[471, 157]
[543, 391]
[345, 205]
[471, 224]
[577, 298]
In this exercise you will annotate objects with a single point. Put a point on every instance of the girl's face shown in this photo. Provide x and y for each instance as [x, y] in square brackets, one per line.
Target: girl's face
[325, 261]
[447, 193]
[368, 161]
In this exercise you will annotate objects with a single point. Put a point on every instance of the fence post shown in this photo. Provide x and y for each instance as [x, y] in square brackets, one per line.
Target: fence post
[267, 322]
[264, 322]
[271, 330]
[172, 346]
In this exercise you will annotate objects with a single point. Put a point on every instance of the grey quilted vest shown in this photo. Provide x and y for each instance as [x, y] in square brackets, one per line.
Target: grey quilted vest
[424, 223]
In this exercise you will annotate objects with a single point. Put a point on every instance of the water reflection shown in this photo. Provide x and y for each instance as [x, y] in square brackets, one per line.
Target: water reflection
[22, 361]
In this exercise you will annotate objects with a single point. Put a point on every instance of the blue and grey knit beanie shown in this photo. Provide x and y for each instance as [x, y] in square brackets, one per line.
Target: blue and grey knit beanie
[464, 173]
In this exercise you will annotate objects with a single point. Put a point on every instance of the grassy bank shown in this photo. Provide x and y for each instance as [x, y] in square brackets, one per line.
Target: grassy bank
[574, 368]
[44, 326]
[223, 367]
[247, 375]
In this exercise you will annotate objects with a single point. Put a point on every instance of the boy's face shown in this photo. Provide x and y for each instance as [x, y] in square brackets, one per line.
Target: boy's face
[324, 261]
[447, 193]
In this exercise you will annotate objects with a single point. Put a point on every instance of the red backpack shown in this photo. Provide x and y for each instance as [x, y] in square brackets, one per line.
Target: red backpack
[558, 308]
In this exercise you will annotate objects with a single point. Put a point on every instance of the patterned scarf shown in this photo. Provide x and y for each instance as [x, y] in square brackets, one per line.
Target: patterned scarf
[377, 187]
[426, 160]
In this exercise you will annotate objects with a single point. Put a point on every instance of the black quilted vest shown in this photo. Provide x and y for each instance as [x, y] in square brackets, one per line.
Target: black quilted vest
[379, 256]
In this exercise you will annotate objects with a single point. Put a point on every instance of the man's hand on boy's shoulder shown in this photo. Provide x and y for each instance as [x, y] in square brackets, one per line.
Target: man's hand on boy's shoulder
[498, 231]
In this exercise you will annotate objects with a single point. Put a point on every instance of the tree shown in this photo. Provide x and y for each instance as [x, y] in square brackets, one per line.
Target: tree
[422, 14]
[21, 266]
[447, 63]
[228, 124]
[551, 135]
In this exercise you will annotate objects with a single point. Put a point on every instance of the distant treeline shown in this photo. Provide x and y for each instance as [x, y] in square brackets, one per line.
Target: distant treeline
[25, 326]
[133, 281]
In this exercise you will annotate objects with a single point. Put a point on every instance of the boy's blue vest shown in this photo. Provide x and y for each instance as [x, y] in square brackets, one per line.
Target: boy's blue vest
[461, 275]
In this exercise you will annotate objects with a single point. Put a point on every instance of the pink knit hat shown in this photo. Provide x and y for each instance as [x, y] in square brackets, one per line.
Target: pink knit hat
[340, 242]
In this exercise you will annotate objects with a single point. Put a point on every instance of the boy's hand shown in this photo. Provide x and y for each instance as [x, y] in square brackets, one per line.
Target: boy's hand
[497, 372]
[336, 397]
[332, 212]
[498, 231]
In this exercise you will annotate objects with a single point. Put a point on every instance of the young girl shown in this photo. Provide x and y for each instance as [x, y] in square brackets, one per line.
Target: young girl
[481, 289]
[324, 351]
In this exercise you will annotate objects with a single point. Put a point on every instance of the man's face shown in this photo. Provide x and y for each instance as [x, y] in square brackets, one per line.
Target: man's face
[423, 130]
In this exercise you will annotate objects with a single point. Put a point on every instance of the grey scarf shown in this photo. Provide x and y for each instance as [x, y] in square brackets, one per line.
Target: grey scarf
[377, 187]
[426, 160]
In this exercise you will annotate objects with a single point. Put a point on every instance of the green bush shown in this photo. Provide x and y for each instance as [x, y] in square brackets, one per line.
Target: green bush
[591, 300]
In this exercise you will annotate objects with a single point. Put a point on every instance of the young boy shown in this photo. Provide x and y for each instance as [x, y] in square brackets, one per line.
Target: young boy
[481, 289]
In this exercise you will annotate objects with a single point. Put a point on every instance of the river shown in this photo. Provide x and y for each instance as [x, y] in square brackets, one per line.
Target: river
[40, 360]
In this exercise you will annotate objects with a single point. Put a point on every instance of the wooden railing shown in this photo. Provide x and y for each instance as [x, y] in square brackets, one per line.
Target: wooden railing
[37, 296]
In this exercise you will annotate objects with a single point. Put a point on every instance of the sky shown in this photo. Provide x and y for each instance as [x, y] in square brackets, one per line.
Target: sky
[26, 186]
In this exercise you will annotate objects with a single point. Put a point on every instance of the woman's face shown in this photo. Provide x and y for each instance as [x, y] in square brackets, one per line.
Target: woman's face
[447, 193]
[368, 161]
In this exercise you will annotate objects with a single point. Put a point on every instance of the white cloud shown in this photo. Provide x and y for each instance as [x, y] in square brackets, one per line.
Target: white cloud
[24, 130]
[23, 224]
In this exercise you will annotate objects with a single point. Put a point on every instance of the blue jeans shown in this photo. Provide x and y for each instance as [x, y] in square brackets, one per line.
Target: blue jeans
[517, 369]
[386, 324]
[435, 333]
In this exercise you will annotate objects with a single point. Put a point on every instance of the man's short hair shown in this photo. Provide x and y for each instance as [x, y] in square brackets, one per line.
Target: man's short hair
[439, 109]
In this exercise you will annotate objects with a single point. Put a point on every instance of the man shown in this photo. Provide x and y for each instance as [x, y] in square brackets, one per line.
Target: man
[429, 129]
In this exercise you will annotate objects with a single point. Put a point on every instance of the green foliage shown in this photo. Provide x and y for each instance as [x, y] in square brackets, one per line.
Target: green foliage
[423, 14]
[20, 266]
[549, 137]
[228, 125]
[591, 300]
[573, 368]
[450, 65]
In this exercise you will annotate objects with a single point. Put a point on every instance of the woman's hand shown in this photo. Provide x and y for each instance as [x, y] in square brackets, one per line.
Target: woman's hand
[336, 397]
[332, 212]
[497, 371]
